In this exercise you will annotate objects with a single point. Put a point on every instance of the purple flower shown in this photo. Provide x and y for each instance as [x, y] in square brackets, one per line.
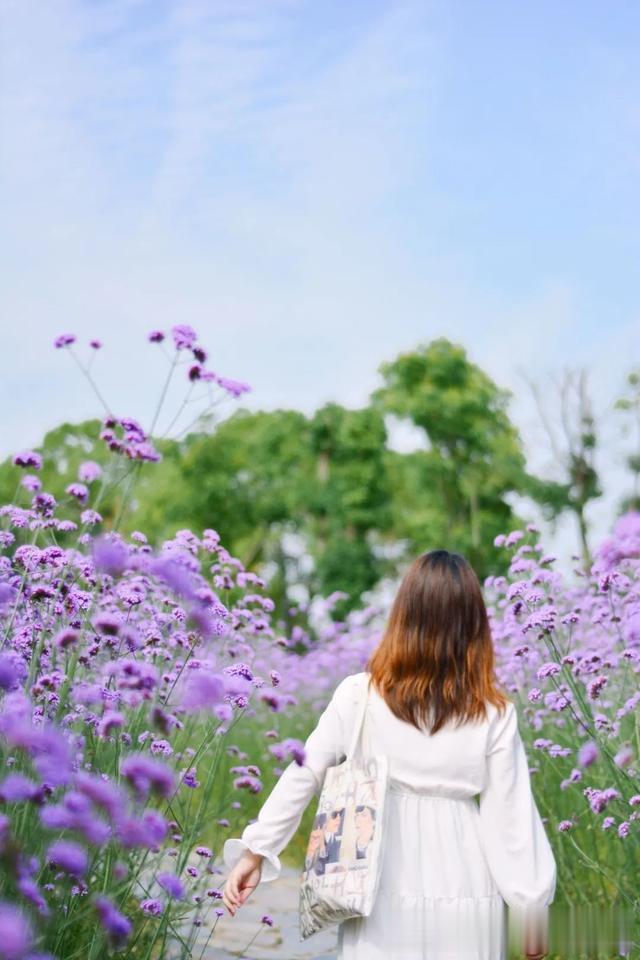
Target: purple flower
[184, 336]
[79, 491]
[136, 675]
[16, 788]
[588, 753]
[624, 756]
[28, 458]
[117, 926]
[15, 933]
[156, 336]
[513, 538]
[68, 856]
[190, 779]
[203, 689]
[290, 747]
[174, 574]
[66, 638]
[204, 621]
[66, 526]
[172, 884]
[239, 670]
[149, 831]
[110, 556]
[565, 825]
[595, 686]
[89, 471]
[9, 673]
[51, 756]
[112, 720]
[145, 774]
[31, 483]
[249, 783]
[107, 623]
[152, 907]
[233, 387]
[64, 340]
[7, 592]
[548, 670]
[104, 794]
[31, 892]
[95, 344]
[204, 852]
[267, 920]
[598, 799]
[143, 450]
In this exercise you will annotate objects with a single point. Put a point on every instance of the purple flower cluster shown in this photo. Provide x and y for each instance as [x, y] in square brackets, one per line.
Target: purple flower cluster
[121, 670]
[582, 649]
[97, 686]
[125, 436]
[184, 339]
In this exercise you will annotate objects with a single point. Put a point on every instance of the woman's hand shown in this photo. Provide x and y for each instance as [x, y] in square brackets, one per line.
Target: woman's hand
[535, 940]
[242, 880]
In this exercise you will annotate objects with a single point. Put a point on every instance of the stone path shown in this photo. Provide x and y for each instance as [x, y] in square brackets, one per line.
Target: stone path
[279, 899]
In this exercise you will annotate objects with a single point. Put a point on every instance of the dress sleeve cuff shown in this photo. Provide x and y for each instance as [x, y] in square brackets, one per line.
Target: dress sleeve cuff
[234, 848]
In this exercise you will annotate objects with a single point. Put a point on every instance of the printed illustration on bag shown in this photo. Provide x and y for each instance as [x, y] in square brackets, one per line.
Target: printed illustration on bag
[341, 838]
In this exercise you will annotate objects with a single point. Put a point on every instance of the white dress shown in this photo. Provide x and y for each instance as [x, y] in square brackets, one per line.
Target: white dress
[450, 864]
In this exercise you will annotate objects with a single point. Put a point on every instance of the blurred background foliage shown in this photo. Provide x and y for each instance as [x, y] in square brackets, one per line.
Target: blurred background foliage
[324, 502]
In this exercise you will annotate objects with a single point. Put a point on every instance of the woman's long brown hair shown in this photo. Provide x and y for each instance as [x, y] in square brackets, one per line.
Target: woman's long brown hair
[435, 660]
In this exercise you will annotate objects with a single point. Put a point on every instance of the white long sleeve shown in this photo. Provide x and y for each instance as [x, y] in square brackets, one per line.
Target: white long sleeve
[282, 811]
[515, 843]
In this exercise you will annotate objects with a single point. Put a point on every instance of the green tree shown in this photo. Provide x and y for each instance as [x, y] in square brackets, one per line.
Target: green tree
[454, 492]
[259, 477]
[349, 506]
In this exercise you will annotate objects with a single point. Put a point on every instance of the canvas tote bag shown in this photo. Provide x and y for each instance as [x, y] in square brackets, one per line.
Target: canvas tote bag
[344, 854]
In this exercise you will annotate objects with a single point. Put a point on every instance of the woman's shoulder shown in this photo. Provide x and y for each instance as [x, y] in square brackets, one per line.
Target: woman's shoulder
[351, 685]
[495, 712]
[502, 723]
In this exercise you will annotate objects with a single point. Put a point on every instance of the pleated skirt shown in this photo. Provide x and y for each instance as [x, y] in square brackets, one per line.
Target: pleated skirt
[436, 899]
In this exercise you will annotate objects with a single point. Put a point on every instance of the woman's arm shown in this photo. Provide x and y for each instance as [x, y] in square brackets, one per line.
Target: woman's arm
[515, 842]
[282, 811]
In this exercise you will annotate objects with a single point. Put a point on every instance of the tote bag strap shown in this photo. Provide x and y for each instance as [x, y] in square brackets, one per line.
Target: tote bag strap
[362, 706]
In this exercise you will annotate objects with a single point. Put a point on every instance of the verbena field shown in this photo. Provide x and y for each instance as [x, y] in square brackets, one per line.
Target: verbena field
[149, 700]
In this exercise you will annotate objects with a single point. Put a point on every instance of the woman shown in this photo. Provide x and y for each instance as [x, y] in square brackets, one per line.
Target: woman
[435, 709]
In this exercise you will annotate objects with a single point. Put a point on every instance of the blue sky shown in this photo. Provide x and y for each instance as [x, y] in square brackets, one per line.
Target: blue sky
[315, 187]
